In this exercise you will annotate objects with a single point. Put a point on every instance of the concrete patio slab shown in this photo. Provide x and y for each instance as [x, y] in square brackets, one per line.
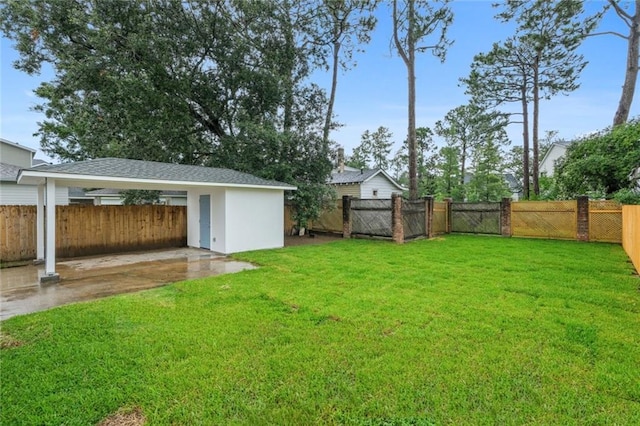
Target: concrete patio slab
[99, 276]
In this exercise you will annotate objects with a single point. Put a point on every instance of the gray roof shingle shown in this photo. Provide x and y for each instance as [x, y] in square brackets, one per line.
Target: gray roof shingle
[347, 177]
[9, 172]
[150, 170]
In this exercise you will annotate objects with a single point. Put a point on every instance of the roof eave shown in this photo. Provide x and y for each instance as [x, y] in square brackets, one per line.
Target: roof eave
[34, 177]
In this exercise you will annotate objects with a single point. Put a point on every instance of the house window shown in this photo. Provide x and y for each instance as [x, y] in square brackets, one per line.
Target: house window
[375, 193]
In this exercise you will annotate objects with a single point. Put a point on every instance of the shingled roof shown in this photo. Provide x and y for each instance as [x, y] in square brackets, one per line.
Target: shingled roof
[9, 172]
[125, 169]
[349, 177]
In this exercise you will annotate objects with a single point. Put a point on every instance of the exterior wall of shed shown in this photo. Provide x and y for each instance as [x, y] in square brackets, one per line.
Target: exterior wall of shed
[378, 182]
[217, 214]
[254, 219]
[12, 194]
[15, 155]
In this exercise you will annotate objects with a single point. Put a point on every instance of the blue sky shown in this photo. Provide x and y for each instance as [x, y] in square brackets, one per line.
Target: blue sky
[374, 93]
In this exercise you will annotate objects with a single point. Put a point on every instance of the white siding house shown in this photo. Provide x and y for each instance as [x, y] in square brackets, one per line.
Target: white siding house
[553, 154]
[364, 183]
[14, 157]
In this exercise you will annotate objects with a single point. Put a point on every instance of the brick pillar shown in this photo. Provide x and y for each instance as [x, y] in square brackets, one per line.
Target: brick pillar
[346, 216]
[448, 202]
[428, 216]
[396, 218]
[505, 217]
[583, 218]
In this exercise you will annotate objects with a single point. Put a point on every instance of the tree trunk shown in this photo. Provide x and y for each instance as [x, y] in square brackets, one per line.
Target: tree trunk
[332, 96]
[408, 57]
[536, 115]
[463, 160]
[288, 70]
[411, 131]
[525, 144]
[631, 74]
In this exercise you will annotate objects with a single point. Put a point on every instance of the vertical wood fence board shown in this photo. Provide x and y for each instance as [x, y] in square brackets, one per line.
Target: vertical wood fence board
[631, 233]
[84, 230]
[330, 220]
[439, 217]
[17, 229]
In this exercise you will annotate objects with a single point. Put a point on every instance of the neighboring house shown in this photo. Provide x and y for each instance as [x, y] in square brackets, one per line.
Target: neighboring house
[13, 158]
[515, 186]
[364, 183]
[634, 176]
[79, 196]
[110, 196]
[553, 154]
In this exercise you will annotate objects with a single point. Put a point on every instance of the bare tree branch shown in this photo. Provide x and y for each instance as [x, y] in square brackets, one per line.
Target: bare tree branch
[628, 19]
[609, 33]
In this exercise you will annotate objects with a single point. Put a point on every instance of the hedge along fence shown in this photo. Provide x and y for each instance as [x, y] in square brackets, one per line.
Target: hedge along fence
[631, 233]
[85, 229]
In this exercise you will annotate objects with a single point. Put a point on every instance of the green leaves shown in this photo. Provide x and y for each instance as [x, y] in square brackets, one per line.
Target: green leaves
[600, 164]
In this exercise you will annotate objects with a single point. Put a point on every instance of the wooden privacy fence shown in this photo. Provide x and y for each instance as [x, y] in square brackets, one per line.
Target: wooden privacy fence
[17, 233]
[402, 220]
[544, 219]
[476, 218]
[86, 229]
[440, 224]
[605, 221]
[631, 233]
[413, 219]
[330, 220]
[371, 218]
[394, 218]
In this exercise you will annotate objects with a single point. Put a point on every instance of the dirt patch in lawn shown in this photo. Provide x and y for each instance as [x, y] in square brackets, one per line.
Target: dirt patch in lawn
[8, 342]
[123, 417]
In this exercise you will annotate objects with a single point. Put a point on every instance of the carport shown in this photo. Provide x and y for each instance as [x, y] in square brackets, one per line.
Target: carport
[228, 211]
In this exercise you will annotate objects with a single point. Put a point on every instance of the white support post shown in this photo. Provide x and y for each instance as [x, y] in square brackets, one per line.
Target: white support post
[50, 252]
[40, 226]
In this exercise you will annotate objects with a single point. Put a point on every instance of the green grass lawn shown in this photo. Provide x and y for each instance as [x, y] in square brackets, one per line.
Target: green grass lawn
[456, 330]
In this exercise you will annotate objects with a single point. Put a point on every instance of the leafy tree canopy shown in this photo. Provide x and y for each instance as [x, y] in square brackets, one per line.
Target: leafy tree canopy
[600, 165]
[209, 83]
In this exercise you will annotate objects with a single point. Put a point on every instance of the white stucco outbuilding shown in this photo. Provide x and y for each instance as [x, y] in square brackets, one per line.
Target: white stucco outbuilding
[228, 211]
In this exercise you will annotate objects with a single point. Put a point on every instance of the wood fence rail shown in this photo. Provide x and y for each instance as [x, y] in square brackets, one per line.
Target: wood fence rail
[87, 230]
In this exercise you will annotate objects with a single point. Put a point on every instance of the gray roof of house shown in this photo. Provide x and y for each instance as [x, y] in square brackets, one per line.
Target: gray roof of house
[150, 170]
[9, 172]
[348, 177]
